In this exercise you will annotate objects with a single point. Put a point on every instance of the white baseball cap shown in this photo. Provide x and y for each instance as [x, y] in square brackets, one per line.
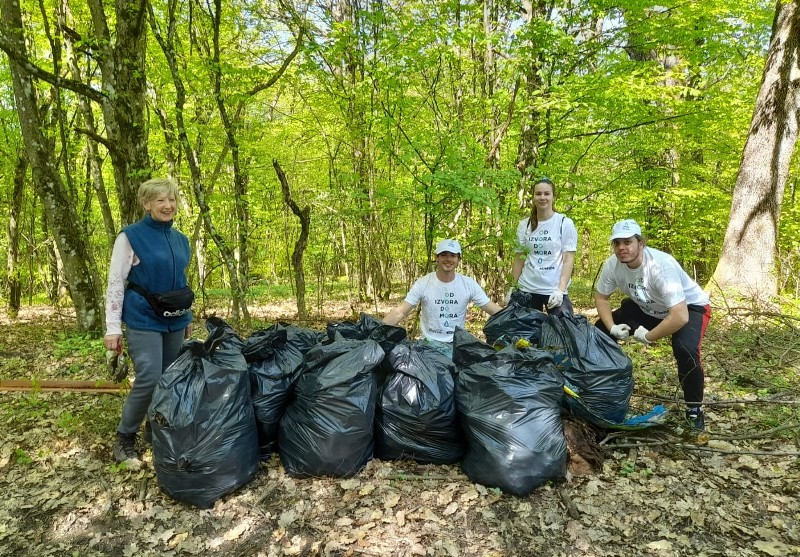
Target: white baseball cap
[625, 229]
[448, 245]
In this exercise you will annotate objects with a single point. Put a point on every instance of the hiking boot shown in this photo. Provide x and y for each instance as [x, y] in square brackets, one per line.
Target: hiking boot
[696, 418]
[125, 447]
[147, 436]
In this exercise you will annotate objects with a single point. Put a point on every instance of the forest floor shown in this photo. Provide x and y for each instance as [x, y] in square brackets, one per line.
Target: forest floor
[731, 491]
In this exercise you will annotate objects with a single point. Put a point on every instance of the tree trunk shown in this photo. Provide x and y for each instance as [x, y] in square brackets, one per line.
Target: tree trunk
[167, 43]
[240, 176]
[93, 158]
[70, 241]
[747, 265]
[528, 157]
[304, 215]
[122, 65]
[14, 233]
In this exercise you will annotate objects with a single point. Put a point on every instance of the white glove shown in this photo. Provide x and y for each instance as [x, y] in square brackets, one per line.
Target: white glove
[621, 331]
[507, 299]
[640, 333]
[555, 300]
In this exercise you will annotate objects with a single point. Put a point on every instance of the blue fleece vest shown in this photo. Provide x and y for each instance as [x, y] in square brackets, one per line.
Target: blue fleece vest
[164, 255]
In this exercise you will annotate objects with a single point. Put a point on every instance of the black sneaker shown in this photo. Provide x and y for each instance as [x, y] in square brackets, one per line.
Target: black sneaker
[125, 447]
[696, 418]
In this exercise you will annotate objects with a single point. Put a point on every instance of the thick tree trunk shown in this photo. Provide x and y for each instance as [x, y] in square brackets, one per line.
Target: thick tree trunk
[70, 241]
[747, 264]
[122, 65]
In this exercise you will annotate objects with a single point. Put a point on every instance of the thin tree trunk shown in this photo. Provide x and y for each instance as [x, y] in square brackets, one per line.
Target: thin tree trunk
[167, 43]
[240, 178]
[13, 270]
[93, 157]
[528, 157]
[304, 215]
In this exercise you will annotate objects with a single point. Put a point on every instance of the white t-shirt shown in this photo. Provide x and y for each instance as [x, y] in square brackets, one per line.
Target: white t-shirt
[545, 248]
[444, 304]
[658, 284]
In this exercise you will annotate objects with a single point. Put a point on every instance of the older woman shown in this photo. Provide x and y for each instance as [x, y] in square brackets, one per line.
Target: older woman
[149, 256]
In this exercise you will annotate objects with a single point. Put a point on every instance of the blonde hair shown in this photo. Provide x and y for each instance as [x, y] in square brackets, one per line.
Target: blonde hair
[154, 187]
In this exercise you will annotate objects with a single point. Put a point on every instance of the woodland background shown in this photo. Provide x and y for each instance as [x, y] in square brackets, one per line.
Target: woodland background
[323, 147]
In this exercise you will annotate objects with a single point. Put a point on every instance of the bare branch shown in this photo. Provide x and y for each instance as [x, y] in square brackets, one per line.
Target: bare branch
[19, 58]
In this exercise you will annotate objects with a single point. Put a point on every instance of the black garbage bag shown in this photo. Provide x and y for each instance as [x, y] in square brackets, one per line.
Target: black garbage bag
[512, 323]
[368, 327]
[417, 416]
[327, 429]
[259, 345]
[274, 356]
[594, 366]
[510, 407]
[205, 442]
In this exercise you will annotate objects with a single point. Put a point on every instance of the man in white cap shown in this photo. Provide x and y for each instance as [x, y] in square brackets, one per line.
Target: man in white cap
[444, 296]
[663, 301]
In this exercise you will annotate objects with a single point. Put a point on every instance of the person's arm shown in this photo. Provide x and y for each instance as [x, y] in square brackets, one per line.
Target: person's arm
[122, 259]
[517, 266]
[602, 302]
[677, 317]
[396, 315]
[566, 271]
[491, 308]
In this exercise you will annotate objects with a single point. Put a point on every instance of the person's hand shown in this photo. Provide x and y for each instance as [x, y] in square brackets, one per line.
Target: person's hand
[640, 335]
[555, 300]
[507, 299]
[187, 332]
[620, 331]
[113, 342]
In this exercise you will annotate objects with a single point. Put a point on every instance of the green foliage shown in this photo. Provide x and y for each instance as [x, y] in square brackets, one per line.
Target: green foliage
[385, 121]
[80, 344]
[22, 457]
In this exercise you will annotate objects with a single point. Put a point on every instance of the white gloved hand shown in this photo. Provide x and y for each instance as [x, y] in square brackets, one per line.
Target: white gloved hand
[621, 331]
[640, 333]
[555, 300]
[507, 299]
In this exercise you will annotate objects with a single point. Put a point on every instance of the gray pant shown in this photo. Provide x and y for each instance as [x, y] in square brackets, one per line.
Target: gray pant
[152, 352]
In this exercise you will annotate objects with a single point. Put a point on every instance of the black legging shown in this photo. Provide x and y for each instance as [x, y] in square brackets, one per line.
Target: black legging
[686, 343]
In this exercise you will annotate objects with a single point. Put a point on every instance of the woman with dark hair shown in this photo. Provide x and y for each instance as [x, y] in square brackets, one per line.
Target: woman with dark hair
[149, 256]
[545, 253]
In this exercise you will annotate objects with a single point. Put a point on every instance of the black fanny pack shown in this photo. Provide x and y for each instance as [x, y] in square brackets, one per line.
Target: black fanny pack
[167, 304]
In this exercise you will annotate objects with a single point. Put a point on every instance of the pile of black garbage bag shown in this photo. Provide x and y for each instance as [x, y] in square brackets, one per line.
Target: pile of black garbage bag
[327, 402]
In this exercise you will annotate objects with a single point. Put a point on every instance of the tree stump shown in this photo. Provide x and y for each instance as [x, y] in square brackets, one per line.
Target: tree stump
[585, 456]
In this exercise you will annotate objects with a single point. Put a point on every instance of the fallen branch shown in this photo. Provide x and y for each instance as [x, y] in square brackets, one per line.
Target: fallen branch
[60, 385]
[572, 510]
[723, 451]
[726, 402]
[700, 448]
[758, 434]
[418, 477]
